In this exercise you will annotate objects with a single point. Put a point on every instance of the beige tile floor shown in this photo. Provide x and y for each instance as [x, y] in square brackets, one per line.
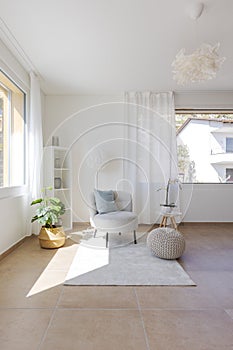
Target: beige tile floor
[38, 312]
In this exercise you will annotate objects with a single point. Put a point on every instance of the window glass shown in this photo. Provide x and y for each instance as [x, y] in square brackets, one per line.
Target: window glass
[12, 124]
[205, 147]
[229, 144]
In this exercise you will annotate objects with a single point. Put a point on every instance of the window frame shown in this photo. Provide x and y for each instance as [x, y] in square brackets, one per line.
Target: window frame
[18, 190]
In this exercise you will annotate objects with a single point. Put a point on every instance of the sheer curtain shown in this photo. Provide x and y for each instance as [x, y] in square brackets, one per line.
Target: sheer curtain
[150, 150]
[35, 146]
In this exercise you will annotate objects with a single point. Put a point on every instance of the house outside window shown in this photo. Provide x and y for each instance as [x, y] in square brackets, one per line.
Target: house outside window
[205, 147]
[12, 133]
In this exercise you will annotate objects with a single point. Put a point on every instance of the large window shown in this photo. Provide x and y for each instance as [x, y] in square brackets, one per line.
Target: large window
[12, 125]
[205, 146]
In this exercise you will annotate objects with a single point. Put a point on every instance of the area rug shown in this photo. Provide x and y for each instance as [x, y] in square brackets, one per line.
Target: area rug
[123, 264]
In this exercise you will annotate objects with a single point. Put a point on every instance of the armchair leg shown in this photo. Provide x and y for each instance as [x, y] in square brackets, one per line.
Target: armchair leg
[107, 240]
[134, 237]
[95, 233]
[119, 233]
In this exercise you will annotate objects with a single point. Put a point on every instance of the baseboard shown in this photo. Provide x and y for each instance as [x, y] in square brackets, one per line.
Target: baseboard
[182, 223]
[206, 223]
[12, 248]
[81, 223]
[86, 223]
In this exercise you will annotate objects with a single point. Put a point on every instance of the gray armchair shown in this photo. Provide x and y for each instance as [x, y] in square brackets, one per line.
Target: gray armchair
[121, 221]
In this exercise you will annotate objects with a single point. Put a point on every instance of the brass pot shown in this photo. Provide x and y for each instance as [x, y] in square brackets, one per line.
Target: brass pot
[52, 237]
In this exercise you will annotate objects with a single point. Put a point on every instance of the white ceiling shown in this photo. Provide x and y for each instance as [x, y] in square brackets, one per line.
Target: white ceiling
[109, 46]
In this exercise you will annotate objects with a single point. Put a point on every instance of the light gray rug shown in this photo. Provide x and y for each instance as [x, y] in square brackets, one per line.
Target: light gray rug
[123, 264]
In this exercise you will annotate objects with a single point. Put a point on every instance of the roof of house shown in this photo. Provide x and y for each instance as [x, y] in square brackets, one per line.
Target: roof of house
[229, 121]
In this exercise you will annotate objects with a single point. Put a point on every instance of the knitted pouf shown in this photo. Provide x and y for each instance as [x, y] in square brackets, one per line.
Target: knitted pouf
[166, 243]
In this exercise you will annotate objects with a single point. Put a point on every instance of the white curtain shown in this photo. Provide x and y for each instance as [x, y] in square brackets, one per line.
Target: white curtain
[35, 146]
[150, 150]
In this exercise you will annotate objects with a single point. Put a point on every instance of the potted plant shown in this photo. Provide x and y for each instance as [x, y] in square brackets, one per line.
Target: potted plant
[48, 215]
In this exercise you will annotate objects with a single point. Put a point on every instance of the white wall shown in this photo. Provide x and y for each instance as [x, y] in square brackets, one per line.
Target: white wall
[92, 127]
[13, 220]
[207, 202]
[13, 209]
[204, 99]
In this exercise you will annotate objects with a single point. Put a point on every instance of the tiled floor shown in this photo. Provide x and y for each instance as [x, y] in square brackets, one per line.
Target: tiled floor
[38, 312]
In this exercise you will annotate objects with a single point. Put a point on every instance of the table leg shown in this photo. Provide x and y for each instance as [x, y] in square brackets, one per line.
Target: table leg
[163, 222]
[173, 222]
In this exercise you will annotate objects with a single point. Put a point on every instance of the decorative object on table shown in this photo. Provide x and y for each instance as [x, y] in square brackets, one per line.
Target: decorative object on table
[55, 141]
[57, 183]
[168, 210]
[48, 215]
[201, 65]
[171, 197]
[166, 243]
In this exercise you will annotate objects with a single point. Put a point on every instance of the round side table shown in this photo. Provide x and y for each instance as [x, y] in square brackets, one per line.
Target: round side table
[171, 216]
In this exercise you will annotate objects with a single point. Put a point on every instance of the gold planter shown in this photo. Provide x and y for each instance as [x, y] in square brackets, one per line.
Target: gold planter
[52, 237]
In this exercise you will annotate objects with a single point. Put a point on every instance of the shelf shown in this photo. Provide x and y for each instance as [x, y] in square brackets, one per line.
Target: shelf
[61, 169]
[58, 148]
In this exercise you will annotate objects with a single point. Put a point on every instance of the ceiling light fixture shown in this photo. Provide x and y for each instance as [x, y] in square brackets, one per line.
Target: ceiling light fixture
[202, 64]
[195, 10]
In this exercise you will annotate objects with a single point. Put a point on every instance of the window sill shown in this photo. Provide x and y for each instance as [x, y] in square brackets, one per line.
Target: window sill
[207, 183]
[13, 191]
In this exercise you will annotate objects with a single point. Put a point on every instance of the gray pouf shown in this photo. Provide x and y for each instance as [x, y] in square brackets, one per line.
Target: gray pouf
[166, 243]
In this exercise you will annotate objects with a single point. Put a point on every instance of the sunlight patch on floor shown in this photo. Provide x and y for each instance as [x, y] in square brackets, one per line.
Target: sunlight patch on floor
[92, 258]
[55, 272]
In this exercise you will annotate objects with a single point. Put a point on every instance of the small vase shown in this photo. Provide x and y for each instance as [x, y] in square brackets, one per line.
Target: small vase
[55, 141]
[57, 183]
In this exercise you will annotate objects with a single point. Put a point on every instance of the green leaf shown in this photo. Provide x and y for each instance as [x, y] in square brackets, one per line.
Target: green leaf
[55, 200]
[36, 201]
[34, 218]
[49, 210]
[63, 209]
[42, 221]
[42, 211]
[53, 218]
[55, 208]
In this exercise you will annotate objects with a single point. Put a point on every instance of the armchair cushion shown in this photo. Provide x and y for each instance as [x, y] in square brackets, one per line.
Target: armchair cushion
[118, 221]
[105, 202]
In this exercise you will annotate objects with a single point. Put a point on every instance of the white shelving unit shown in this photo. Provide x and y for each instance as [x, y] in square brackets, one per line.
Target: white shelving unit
[57, 173]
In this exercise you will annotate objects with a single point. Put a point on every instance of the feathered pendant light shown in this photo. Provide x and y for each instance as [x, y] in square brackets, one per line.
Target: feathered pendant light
[201, 65]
